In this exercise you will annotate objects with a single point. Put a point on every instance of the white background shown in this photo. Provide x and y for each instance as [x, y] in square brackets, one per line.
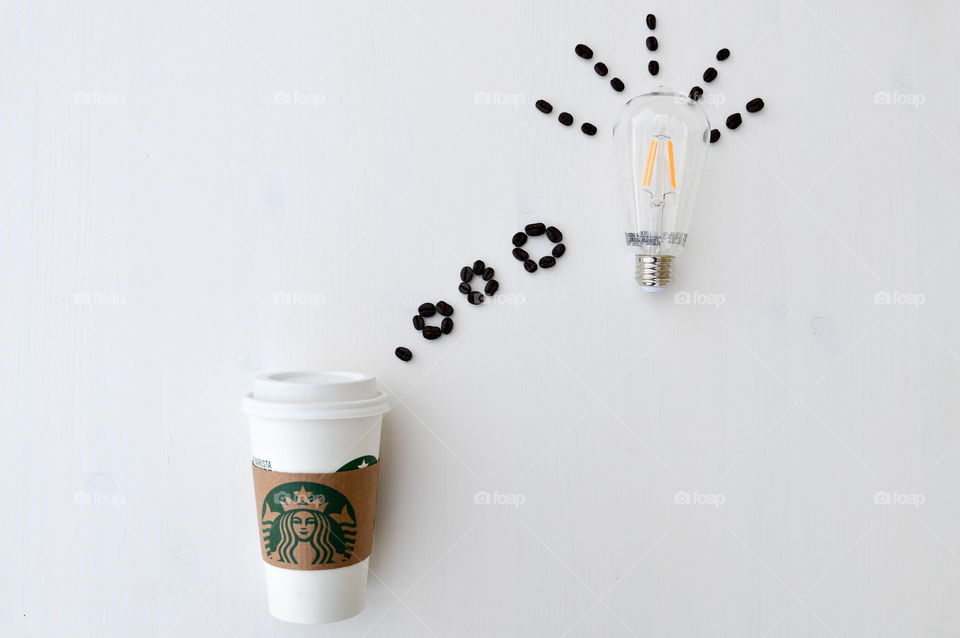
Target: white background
[172, 171]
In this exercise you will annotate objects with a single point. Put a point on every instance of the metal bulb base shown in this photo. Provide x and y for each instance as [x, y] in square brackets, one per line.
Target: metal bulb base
[653, 271]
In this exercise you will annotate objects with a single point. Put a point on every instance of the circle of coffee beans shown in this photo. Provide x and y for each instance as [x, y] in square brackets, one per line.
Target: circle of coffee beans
[429, 332]
[486, 273]
[535, 230]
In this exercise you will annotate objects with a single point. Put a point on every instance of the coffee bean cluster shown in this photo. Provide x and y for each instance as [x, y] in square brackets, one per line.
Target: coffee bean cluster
[535, 230]
[486, 273]
[601, 69]
[427, 310]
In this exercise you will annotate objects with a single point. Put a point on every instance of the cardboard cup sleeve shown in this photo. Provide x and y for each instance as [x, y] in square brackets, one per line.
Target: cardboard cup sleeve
[316, 521]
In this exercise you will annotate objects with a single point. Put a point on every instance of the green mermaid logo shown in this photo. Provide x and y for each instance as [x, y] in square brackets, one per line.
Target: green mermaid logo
[308, 524]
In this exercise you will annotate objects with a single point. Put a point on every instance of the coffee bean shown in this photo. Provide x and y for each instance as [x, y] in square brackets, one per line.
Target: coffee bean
[554, 234]
[475, 297]
[723, 54]
[488, 274]
[710, 74]
[444, 308]
[519, 239]
[478, 266]
[465, 288]
[733, 121]
[754, 105]
[418, 322]
[583, 51]
[588, 128]
[565, 118]
[600, 68]
[520, 254]
[695, 93]
[653, 67]
[652, 44]
[427, 309]
[466, 273]
[558, 250]
[403, 354]
[651, 21]
[547, 261]
[446, 325]
[544, 107]
[714, 136]
[530, 265]
[492, 286]
[431, 332]
[535, 229]
[617, 84]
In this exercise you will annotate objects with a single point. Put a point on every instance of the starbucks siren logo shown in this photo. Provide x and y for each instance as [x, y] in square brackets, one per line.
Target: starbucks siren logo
[308, 524]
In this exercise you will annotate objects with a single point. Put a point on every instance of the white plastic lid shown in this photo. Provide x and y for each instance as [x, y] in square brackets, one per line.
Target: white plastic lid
[315, 395]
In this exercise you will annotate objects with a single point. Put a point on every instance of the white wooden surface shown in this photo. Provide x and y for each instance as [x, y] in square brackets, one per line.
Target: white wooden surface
[192, 191]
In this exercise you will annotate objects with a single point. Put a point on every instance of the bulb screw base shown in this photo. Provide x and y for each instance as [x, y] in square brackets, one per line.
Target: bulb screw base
[653, 271]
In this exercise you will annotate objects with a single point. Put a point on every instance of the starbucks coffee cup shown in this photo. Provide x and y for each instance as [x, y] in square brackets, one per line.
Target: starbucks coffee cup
[316, 449]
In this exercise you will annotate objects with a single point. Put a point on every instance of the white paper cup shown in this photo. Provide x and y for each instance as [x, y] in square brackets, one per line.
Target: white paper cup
[314, 422]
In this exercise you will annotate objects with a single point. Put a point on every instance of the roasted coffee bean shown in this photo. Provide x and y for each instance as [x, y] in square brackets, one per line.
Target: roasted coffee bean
[478, 266]
[554, 234]
[446, 325]
[617, 84]
[710, 74]
[444, 308]
[653, 67]
[530, 265]
[754, 105]
[600, 68]
[475, 297]
[652, 44]
[733, 121]
[465, 288]
[565, 118]
[519, 239]
[418, 322]
[583, 51]
[548, 262]
[714, 136]
[427, 309]
[558, 250]
[544, 107]
[520, 254]
[535, 229]
[403, 354]
[466, 273]
[723, 54]
[492, 286]
[651, 21]
[488, 274]
[695, 93]
[588, 128]
[431, 332]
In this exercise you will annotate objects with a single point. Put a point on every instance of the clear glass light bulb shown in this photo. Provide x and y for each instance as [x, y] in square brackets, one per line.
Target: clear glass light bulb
[662, 140]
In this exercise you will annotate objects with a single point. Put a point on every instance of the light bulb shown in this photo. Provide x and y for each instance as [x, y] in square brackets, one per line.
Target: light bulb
[661, 139]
